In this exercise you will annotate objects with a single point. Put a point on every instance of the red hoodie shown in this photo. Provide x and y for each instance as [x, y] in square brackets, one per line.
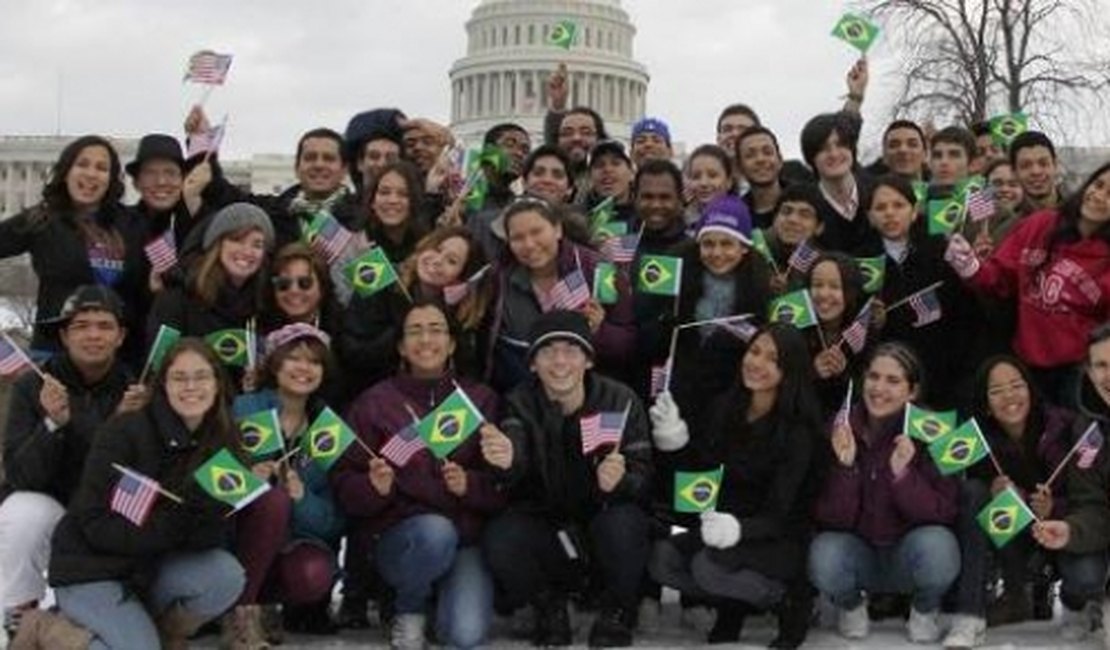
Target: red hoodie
[1059, 303]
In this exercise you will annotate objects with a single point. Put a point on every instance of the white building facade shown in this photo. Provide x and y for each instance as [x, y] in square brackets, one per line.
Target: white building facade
[504, 75]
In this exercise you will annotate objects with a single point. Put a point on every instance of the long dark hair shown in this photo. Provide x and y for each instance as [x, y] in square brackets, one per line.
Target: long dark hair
[55, 194]
[413, 228]
[288, 254]
[471, 311]
[1067, 226]
[851, 282]
[452, 329]
[1034, 423]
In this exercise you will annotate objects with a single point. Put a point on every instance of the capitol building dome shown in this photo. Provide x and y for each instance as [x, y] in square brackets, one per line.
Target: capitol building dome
[503, 77]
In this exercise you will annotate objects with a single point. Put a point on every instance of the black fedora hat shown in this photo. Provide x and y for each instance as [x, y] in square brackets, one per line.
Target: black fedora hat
[156, 146]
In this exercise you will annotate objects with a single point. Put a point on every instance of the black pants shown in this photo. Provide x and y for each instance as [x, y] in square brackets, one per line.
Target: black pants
[528, 560]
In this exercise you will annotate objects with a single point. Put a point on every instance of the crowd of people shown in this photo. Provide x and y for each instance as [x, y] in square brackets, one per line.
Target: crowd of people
[612, 323]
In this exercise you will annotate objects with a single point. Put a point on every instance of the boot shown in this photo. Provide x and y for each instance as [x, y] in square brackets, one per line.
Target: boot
[1014, 606]
[551, 626]
[176, 625]
[729, 623]
[242, 629]
[45, 629]
[794, 612]
[611, 629]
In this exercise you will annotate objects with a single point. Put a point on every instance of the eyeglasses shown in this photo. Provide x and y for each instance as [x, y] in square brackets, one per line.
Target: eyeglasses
[284, 283]
[197, 378]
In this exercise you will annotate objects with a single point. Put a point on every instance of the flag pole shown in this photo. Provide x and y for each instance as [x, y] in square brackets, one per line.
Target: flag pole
[670, 358]
[161, 490]
[990, 452]
[1063, 463]
[898, 303]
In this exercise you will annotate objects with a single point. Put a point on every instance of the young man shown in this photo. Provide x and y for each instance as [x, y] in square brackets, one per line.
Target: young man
[760, 161]
[567, 509]
[1033, 158]
[611, 177]
[372, 140]
[651, 140]
[987, 150]
[950, 152]
[734, 120]
[829, 148]
[49, 431]
[903, 151]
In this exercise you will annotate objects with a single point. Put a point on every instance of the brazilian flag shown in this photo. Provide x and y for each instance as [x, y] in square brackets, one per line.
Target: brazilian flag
[261, 434]
[874, 272]
[1005, 517]
[601, 215]
[612, 229]
[927, 426]
[795, 308]
[230, 346]
[945, 215]
[563, 34]
[959, 449]
[166, 338]
[327, 438]
[450, 424]
[605, 283]
[660, 275]
[370, 272]
[697, 491]
[1004, 128]
[225, 479]
[759, 243]
[856, 31]
[920, 192]
[969, 185]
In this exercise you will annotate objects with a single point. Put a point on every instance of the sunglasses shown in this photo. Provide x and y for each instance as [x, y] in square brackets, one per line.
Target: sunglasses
[303, 282]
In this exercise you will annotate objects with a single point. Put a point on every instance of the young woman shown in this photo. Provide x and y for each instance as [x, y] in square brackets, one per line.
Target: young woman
[1056, 265]
[424, 514]
[751, 550]
[885, 508]
[152, 584]
[1029, 439]
[395, 201]
[442, 267]
[75, 235]
[914, 262]
[835, 285]
[708, 177]
[300, 291]
[287, 540]
[541, 260]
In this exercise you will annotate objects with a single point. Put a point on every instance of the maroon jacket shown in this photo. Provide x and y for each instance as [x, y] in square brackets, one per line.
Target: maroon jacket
[865, 499]
[418, 487]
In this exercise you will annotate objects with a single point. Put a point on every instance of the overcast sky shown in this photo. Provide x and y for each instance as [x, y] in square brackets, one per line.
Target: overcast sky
[115, 66]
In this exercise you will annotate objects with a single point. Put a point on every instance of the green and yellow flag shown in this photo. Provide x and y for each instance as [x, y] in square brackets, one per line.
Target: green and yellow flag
[612, 229]
[920, 192]
[1005, 517]
[327, 439]
[1004, 128]
[225, 479]
[660, 275]
[230, 346]
[370, 272]
[605, 283]
[450, 424]
[602, 215]
[945, 215]
[261, 433]
[166, 338]
[856, 31]
[563, 34]
[874, 272]
[795, 308]
[969, 185]
[697, 491]
[759, 243]
[959, 449]
[927, 426]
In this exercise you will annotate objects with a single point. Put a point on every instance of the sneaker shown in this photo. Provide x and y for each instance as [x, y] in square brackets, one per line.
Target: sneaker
[922, 626]
[854, 623]
[611, 629]
[649, 615]
[407, 632]
[966, 632]
[698, 618]
[1075, 624]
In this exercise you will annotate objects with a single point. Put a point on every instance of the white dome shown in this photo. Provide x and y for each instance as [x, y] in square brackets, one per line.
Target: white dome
[503, 77]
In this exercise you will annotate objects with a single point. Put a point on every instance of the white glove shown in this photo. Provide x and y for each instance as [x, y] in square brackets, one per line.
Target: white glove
[719, 529]
[961, 257]
[668, 428]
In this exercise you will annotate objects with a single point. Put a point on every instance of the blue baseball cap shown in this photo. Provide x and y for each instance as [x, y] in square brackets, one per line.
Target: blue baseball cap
[652, 125]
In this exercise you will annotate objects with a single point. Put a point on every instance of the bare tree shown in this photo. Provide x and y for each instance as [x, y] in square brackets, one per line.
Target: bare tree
[968, 59]
[18, 293]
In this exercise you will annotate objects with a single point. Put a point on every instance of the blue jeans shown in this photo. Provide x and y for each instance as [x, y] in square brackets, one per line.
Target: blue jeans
[422, 553]
[1082, 578]
[923, 563]
[205, 584]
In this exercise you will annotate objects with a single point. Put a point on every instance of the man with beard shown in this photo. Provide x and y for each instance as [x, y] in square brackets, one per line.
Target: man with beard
[576, 131]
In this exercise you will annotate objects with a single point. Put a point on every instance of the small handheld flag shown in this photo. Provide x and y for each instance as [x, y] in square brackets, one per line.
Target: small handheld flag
[795, 308]
[601, 215]
[166, 338]
[874, 272]
[1004, 128]
[945, 216]
[759, 243]
[980, 205]
[12, 358]
[134, 496]
[620, 249]
[959, 449]
[697, 491]
[1005, 517]
[845, 411]
[208, 67]
[605, 283]
[927, 426]
[225, 479]
[570, 292]
[855, 335]
[920, 192]
[602, 429]
[207, 142]
[659, 375]
[660, 275]
[230, 346]
[803, 258]
[327, 438]
[926, 307]
[563, 34]
[404, 444]
[453, 294]
[261, 433]
[161, 252]
[370, 272]
[1089, 445]
[856, 31]
[450, 424]
[326, 236]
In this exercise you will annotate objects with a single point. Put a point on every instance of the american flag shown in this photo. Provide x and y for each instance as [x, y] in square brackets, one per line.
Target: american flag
[926, 306]
[12, 359]
[659, 376]
[601, 429]
[208, 67]
[330, 239]
[804, 257]
[162, 252]
[845, 411]
[405, 444]
[571, 292]
[134, 496]
[980, 204]
[206, 141]
[1088, 447]
[741, 328]
[621, 249]
[855, 335]
[453, 294]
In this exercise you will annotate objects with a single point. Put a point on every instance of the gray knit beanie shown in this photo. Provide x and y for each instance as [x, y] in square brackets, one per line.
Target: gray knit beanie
[235, 217]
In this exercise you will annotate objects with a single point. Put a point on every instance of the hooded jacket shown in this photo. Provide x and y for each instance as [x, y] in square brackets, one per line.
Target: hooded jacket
[1088, 511]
